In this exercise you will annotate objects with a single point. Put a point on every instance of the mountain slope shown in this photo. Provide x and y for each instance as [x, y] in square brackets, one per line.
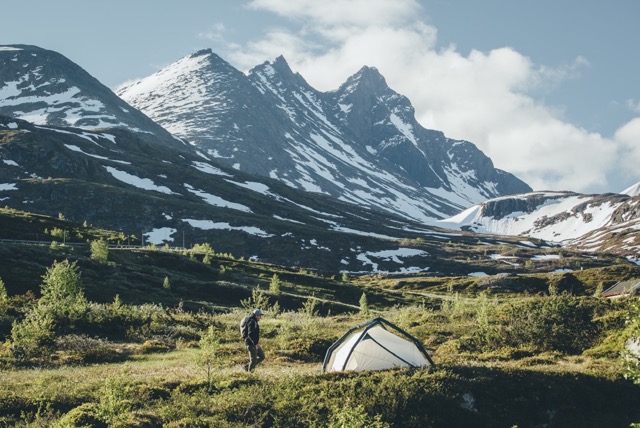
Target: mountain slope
[360, 143]
[597, 223]
[45, 88]
[115, 179]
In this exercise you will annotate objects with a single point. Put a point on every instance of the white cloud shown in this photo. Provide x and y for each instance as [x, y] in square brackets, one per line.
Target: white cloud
[633, 105]
[628, 137]
[215, 33]
[482, 97]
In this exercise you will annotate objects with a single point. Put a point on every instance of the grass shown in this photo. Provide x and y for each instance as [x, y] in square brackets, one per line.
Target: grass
[469, 387]
[148, 370]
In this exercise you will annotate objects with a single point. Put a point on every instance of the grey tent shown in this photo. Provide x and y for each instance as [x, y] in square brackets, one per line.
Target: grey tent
[622, 288]
[375, 345]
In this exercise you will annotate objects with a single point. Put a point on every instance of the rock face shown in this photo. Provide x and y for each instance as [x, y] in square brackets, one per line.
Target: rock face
[45, 88]
[360, 143]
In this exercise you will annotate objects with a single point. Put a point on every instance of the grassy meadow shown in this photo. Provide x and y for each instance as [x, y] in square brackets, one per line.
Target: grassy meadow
[93, 336]
[526, 361]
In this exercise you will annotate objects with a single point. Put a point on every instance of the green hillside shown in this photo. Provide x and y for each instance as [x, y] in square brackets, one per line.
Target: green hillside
[130, 336]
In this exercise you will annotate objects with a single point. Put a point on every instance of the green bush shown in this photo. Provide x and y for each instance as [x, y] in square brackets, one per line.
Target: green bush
[34, 336]
[85, 415]
[156, 345]
[557, 323]
[99, 251]
[85, 349]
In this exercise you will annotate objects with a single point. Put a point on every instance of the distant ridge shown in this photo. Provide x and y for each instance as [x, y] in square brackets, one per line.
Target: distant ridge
[46, 88]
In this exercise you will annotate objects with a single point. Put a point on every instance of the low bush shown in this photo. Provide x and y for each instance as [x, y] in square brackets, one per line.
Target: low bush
[156, 345]
[83, 349]
[558, 323]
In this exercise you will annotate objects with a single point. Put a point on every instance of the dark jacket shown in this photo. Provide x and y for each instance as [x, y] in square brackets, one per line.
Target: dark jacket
[251, 331]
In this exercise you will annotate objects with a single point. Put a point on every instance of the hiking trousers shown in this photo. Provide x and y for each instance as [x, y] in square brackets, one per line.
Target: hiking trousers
[256, 356]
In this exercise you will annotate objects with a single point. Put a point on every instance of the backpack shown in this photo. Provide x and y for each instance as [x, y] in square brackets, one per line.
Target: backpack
[244, 330]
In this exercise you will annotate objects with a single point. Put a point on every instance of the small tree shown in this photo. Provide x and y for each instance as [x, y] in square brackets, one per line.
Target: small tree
[364, 304]
[35, 335]
[274, 285]
[258, 300]
[208, 357]
[62, 286]
[166, 284]
[345, 277]
[309, 307]
[99, 251]
[4, 298]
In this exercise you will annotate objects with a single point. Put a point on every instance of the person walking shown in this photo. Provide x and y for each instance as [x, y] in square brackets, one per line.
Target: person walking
[250, 330]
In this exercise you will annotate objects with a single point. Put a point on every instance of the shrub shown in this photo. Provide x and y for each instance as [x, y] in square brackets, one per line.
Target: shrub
[35, 335]
[208, 357]
[85, 415]
[632, 351]
[274, 285]
[62, 289]
[558, 323]
[99, 251]
[258, 299]
[155, 345]
[364, 304]
[85, 349]
[4, 298]
[355, 417]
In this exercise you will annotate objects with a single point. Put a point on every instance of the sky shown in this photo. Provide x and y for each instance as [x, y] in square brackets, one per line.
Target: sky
[549, 90]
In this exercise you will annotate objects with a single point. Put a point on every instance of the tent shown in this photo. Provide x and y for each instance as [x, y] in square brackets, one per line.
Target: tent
[375, 345]
[622, 288]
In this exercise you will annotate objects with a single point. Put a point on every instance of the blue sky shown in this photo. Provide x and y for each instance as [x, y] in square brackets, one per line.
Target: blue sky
[548, 89]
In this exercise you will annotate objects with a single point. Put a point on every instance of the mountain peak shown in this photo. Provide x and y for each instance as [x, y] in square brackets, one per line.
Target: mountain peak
[367, 78]
[201, 52]
[370, 74]
[282, 66]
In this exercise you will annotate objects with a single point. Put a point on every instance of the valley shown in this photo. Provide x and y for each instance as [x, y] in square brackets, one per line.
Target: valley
[137, 229]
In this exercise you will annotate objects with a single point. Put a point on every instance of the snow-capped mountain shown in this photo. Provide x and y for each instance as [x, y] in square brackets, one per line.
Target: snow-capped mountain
[45, 88]
[632, 190]
[608, 222]
[360, 143]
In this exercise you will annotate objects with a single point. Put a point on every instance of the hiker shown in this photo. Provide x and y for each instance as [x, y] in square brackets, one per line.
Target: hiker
[250, 331]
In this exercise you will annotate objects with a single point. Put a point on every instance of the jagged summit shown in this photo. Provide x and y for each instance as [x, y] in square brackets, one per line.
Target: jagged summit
[202, 52]
[369, 75]
[360, 143]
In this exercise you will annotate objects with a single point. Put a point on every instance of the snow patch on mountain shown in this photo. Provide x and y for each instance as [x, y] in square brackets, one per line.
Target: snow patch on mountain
[160, 235]
[79, 150]
[209, 169]
[8, 186]
[590, 222]
[394, 256]
[134, 180]
[209, 225]
[217, 201]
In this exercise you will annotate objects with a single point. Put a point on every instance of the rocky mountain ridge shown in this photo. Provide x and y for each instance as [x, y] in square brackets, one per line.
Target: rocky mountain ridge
[46, 88]
[360, 143]
[594, 223]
